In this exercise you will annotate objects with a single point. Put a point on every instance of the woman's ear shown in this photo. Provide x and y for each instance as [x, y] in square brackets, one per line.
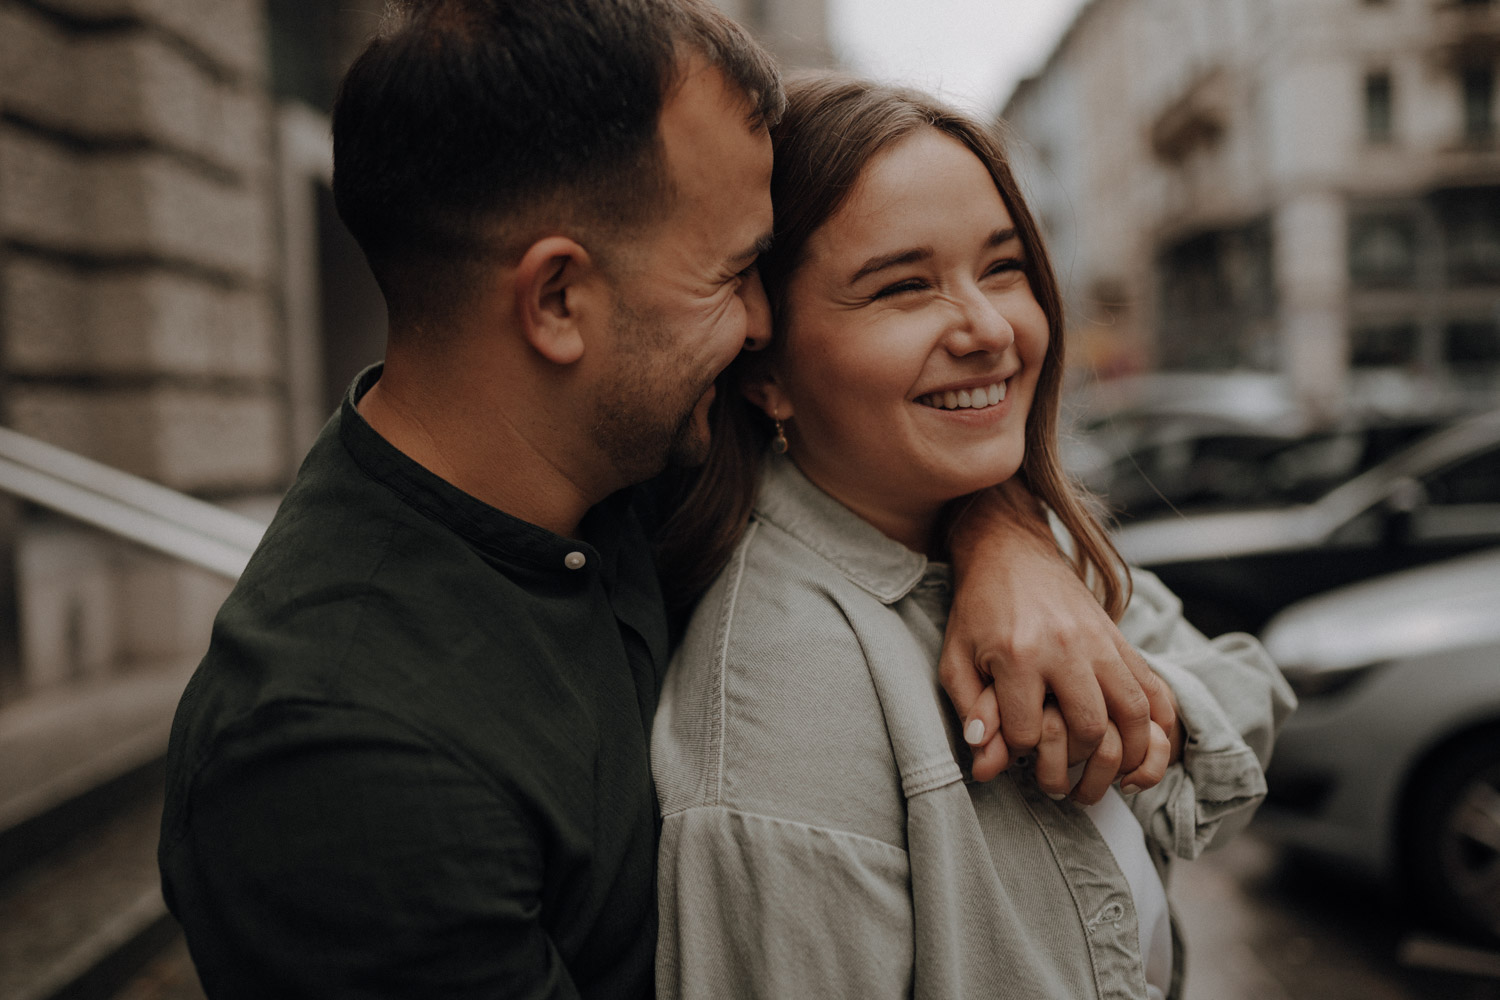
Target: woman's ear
[553, 285]
[765, 392]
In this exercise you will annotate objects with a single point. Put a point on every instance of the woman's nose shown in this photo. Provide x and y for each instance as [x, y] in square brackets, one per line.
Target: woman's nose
[982, 326]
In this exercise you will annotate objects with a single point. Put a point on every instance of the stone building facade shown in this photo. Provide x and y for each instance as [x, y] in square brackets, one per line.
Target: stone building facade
[177, 297]
[1309, 187]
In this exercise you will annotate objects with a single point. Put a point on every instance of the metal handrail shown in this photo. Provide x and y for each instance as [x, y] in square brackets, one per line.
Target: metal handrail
[159, 518]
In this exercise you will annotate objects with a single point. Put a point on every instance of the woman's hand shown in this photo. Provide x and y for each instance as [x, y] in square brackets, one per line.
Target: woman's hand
[1023, 626]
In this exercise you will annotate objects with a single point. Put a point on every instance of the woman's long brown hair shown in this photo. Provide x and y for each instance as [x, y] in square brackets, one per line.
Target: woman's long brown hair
[833, 127]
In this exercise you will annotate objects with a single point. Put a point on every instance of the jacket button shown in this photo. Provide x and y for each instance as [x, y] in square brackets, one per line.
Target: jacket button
[574, 560]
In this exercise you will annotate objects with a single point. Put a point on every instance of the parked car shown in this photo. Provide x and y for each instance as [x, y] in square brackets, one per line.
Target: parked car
[1436, 498]
[1203, 465]
[1391, 763]
[1112, 421]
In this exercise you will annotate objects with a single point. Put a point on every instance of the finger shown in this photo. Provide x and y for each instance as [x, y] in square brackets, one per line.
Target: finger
[1163, 708]
[1019, 695]
[1100, 771]
[1123, 681]
[990, 754]
[1150, 773]
[963, 682]
[1052, 754]
[990, 760]
[982, 723]
[1084, 711]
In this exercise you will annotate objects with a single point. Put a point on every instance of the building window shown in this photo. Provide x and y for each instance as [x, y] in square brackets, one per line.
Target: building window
[1470, 222]
[1218, 300]
[1472, 344]
[1382, 251]
[1384, 345]
[1378, 107]
[1479, 103]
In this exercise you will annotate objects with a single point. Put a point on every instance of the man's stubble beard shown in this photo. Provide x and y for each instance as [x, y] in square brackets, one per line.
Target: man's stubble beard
[644, 417]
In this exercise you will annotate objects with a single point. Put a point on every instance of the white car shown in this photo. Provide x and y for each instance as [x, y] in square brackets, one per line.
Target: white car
[1391, 763]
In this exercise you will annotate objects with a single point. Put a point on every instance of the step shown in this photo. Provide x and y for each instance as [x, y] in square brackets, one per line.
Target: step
[73, 753]
[80, 809]
[168, 976]
[80, 921]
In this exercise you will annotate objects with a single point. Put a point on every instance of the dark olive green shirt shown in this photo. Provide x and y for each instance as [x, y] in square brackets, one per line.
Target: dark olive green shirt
[414, 760]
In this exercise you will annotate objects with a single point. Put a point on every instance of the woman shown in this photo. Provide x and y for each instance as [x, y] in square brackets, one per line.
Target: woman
[819, 838]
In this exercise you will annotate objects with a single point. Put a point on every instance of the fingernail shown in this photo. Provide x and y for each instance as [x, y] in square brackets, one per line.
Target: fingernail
[1057, 796]
[1131, 789]
[974, 732]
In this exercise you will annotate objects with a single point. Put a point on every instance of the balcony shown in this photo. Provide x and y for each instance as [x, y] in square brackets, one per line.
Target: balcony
[1195, 120]
[1466, 33]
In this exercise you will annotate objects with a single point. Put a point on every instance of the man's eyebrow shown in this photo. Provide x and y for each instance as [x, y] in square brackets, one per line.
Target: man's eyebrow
[891, 260]
[751, 254]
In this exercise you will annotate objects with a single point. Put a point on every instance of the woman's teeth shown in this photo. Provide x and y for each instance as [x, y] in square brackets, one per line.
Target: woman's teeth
[965, 399]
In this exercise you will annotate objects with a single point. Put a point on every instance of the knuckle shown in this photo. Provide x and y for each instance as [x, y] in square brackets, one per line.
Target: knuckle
[1053, 727]
[1109, 755]
[1134, 708]
[1090, 730]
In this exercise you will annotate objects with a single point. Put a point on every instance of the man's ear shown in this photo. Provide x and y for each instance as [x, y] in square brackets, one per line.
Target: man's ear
[762, 389]
[556, 284]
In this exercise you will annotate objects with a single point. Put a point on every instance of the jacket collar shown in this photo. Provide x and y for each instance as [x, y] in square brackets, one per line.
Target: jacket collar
[853, 546]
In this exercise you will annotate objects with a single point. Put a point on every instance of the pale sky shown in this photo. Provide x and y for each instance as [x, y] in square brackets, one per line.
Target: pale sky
[973, 52]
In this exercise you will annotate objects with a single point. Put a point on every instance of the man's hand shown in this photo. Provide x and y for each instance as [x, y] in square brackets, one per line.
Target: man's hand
[1024, 626]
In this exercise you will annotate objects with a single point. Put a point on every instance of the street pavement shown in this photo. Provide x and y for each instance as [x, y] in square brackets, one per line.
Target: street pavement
[1260, 927]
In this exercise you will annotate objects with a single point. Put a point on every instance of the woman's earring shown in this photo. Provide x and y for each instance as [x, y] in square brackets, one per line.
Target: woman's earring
[778, 443]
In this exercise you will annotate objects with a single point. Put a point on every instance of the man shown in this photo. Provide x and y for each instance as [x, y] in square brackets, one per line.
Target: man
[414, 760]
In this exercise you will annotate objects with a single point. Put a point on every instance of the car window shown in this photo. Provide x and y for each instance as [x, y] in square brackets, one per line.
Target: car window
[1473, 480]
[1462, 502]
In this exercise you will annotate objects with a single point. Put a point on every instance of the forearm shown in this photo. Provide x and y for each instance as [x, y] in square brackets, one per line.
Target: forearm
[983, 527]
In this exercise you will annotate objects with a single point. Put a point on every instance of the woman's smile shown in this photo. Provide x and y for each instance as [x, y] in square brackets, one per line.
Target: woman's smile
[980, 397]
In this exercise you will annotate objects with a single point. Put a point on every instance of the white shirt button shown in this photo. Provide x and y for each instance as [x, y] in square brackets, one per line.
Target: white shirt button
[574, 560]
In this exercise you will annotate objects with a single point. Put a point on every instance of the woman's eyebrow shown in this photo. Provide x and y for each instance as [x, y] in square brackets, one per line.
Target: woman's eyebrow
[896, 259]
[1000, 236]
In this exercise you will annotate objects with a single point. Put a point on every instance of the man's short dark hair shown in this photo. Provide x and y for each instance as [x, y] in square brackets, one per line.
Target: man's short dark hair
[468, 127]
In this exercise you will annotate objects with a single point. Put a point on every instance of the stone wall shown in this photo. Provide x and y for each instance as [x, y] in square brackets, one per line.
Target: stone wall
[138, 298]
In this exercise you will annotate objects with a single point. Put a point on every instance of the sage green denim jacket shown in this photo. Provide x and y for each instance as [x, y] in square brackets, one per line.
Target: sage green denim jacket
[820, 839]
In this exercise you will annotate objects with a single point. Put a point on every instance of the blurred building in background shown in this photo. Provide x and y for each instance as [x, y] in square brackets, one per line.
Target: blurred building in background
[1307, 187]
[177, 296]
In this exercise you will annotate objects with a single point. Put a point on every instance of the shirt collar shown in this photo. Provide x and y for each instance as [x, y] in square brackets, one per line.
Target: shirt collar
[857, 549]
[499, 537]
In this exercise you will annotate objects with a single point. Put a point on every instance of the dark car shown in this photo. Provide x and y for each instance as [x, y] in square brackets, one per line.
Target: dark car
[1433, 499]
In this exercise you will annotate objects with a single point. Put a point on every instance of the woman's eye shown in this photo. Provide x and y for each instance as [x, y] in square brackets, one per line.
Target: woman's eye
[909, 285]
[1009, 264]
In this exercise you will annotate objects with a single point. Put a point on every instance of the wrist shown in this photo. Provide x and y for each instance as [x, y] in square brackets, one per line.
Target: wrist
[997, 521]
